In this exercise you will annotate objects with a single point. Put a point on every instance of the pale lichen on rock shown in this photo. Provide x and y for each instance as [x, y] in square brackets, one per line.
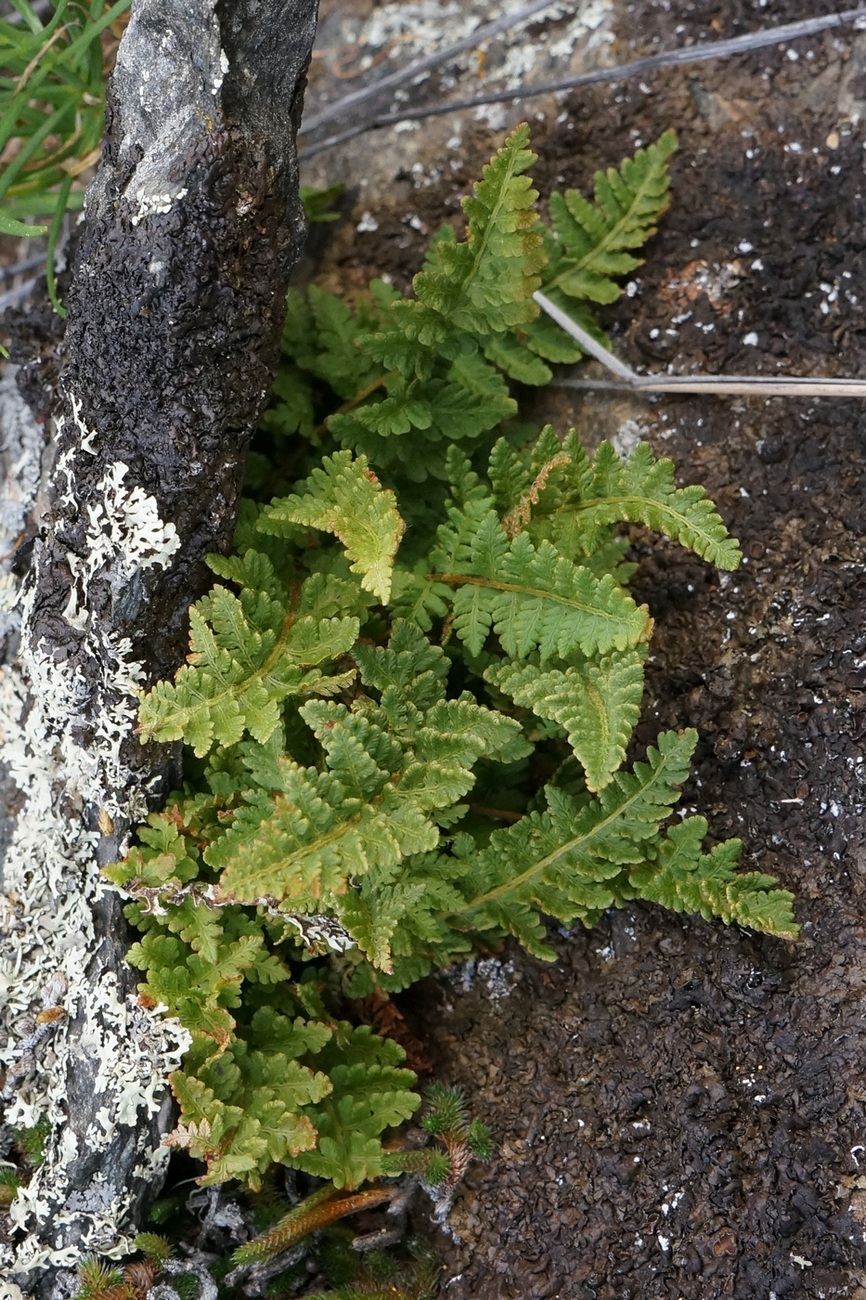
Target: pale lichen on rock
[174, 315]
[51, 880]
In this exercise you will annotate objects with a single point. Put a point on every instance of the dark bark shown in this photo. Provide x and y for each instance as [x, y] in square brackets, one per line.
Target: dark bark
[192, 227]
[174, 316]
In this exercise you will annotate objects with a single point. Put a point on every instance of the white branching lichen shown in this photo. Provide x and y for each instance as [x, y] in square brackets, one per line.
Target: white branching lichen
[51, 880]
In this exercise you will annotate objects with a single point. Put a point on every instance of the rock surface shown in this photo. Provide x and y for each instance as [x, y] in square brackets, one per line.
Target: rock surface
[175, 307]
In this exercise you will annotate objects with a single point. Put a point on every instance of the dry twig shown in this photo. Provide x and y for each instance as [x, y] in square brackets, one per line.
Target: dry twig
[720, 385]
[623, 71]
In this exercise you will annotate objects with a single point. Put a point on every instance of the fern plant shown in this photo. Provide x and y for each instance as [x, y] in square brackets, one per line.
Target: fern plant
[413, 691]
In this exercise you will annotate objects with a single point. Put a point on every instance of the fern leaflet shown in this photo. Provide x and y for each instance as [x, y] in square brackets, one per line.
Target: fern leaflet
[684, 879]
[249, 653]
[345, 498]
[534, 599]
[563, 861]
[598, 703]
[485, 284]
[588, 495]
[596, 239]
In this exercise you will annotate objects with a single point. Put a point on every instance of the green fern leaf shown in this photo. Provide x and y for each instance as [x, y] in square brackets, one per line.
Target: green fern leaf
[237, 1140]
[547, 340]
[321, 335]
[361, 755]
[345, 498]
[461, 731]
[409, 664]
[373, 914]
[292, 409]
[598, 703]
[249, 653]
[519, 361]
[205, 1120]
[309, 841]
[336, 357]
[199, 925]
[536, 599]
[243, 1109]
[597, 493]
[596, 239]
[437, 348]
[389, 767]
[164, 857]
[563, 862]
[171, 981]
[289, 1039]
[509, 475]
[485, 285]
[684, 879]
[371, 1092]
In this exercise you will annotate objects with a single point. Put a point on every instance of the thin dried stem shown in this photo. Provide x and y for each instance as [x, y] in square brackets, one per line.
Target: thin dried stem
[596, 76]
[417, 68]
[718, 385]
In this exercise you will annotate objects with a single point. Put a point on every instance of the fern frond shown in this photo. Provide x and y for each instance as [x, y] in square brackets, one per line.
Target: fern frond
[409, 920]
[536, 599]
[344, 497]
[409, 664]
[562, 862]
[464, 400]
[321, 335]
[684, 879]
[485, 284]
[308, 841]
[596, 238]
[245, 1107]
[388, 769]
[437, 348]
[196, 986]
[166, 857]
[249, 653]
[509, 475]
[594, 493]
[597, 702]
[371, 1091]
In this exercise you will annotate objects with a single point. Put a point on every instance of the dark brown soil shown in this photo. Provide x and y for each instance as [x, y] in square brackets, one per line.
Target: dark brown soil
[679, 1108]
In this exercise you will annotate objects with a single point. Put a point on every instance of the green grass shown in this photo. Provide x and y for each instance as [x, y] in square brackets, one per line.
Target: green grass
[52, 88]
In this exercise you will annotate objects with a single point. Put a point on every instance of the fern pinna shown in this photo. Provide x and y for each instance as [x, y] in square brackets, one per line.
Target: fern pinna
[441, 597]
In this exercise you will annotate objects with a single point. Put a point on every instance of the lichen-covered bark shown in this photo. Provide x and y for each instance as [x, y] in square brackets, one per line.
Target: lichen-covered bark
[192, 226]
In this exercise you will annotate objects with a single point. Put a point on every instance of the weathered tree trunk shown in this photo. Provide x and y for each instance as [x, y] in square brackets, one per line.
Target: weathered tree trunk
[192, 226]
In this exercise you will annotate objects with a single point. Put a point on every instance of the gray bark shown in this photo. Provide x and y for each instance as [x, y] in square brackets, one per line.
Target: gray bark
[192, 226]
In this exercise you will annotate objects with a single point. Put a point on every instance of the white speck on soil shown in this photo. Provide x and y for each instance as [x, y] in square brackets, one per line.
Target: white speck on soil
[498, 978]
[627, 437]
